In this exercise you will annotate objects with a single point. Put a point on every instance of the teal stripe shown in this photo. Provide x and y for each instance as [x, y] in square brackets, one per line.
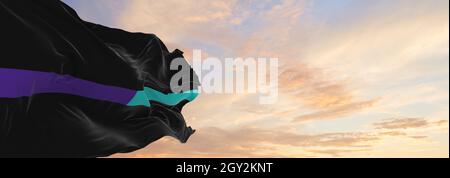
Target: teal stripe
[142, 98]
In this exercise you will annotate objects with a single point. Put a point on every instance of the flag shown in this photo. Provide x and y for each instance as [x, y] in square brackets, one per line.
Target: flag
[71, 88]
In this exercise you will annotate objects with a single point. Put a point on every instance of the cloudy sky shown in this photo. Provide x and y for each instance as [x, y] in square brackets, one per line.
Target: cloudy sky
[358, 78]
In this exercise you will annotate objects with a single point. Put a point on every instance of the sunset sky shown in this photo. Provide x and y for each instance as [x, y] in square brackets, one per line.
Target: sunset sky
[358, 78]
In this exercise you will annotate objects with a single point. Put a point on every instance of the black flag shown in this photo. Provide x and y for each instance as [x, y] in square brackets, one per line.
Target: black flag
[70, 88]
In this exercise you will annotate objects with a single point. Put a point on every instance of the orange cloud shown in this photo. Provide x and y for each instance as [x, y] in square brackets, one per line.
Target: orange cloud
[252, 142]
[408, 123]
[278, 142]
[327, 74]
[336, 112]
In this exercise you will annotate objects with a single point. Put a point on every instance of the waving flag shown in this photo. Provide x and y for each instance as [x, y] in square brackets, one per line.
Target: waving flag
[70, 88]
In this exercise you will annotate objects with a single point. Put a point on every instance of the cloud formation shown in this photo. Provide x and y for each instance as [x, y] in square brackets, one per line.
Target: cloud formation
[252, 142]
[345, 68]
[405, 123]
[336, 112]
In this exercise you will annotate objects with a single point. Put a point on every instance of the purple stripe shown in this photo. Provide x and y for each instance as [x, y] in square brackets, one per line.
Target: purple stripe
[21, 83]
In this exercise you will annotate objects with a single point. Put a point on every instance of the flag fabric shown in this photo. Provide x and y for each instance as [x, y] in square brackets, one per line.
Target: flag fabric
[71, 88]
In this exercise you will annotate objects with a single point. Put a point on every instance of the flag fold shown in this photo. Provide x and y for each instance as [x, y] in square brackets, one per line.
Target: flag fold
[71, 88]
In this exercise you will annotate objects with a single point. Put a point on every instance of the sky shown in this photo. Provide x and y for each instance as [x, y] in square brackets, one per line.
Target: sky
[358, 78]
